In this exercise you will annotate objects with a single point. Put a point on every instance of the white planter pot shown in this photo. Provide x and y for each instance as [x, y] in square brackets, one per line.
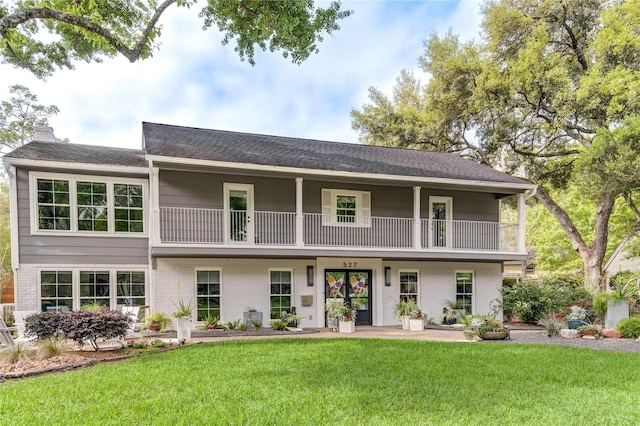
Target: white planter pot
[183, 327]
[346, 326]
[405, 322]
[416, 324]
[617, 310]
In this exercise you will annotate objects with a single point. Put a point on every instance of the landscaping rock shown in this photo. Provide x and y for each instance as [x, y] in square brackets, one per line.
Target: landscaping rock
[611, 333]
[569, 334]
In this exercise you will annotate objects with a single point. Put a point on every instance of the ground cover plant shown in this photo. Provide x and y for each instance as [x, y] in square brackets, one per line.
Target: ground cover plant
[338, 381]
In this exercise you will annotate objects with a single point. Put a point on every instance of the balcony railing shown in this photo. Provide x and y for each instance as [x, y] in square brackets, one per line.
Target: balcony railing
[215, 227]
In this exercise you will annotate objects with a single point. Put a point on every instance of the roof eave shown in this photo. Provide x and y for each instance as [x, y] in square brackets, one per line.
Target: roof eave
[334, 173]
[117, 168]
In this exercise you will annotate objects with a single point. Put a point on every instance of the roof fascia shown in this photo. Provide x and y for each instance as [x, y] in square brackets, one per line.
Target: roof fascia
[283, 169]
[75, 166]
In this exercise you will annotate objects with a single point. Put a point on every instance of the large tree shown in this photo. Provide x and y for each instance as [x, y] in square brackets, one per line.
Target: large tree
[91, 29]
[18, 117]
[550, 92]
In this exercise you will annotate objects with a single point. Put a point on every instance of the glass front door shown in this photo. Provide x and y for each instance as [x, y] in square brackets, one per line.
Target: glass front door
[440, 208]
[239, 213]
[352, 287]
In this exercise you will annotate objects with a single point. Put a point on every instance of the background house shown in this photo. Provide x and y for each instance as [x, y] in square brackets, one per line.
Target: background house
[233, 221]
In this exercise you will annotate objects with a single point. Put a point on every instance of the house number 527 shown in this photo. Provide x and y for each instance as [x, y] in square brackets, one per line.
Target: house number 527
[349, 264]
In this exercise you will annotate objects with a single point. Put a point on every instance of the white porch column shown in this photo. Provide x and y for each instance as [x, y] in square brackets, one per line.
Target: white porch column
[417, 241]
[299, 216]
[154, 195]
[521, 223]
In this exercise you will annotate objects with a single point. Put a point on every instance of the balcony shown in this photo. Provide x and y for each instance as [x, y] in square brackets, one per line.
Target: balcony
[217, 228]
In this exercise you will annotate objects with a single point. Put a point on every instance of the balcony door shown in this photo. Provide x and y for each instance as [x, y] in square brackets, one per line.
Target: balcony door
[238, 207]
[440, 212]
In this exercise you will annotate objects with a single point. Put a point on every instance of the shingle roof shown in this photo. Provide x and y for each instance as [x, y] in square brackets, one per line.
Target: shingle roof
[75, 153]
[224, 146]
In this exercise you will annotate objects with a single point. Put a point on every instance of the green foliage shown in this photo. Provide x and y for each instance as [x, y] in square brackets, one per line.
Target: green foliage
[549, 93]
[257, 324]
[243, 326]
[91, 30]
[19, 115]
[551, 324]
[233, 325]
[209, 322]
[183, 309]
[159, 317]
[629, 328]
[16, 353]
[500, 377]
[532, 300]
[279, 324]
[626, 280]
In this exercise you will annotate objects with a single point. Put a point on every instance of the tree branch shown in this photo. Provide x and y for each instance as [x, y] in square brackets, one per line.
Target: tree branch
[133, 54]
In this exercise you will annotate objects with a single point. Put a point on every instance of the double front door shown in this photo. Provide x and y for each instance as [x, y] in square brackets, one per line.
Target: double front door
[352, 287]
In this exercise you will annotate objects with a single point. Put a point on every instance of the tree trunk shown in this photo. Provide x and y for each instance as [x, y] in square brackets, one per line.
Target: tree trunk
[592, 254]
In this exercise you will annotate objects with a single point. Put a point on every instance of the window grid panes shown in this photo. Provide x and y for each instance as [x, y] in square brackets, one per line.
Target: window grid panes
[279, 293]
[94, 288]
[208, 294]
[56, 290]
[128, 208]
[54, 211]
[130, 288]
[464, 290]
[346, 208]
[409, 286]
[92, 206]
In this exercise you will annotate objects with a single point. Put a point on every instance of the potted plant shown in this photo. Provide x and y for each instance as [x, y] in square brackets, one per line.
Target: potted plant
[416, 320]
[491, 329]
[156, 322]
[449, 316]
[576, 317]
[333, 308]
[402, 310]
[471, 325]
[183, 314]
[210, 322]
[347, 318]
[589, 330]
[551, 324]
[614, 305]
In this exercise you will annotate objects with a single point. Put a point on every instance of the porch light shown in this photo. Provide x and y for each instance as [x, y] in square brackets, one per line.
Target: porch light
[309, 275]
[387, 276]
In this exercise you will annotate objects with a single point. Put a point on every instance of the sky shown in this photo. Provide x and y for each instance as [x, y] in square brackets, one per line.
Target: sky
[193, 80]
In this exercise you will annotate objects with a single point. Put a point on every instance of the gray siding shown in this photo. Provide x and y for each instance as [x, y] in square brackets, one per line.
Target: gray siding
[38, 249]
[205, 190]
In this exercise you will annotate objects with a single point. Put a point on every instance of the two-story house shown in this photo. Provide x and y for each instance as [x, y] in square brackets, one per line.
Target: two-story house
[232, 221]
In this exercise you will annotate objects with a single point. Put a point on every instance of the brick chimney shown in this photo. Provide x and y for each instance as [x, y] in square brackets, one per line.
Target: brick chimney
[43, 134]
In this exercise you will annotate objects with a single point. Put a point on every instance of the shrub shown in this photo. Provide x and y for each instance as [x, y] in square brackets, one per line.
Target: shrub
[629, 328]
[531, 300]
[14, 354]
[53, 346]
[621, 278]
[80, 326]
[45, 325]
[85, 326]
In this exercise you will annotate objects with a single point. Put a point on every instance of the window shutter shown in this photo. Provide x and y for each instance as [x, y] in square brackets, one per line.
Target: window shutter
[366, 209]
[326, 207]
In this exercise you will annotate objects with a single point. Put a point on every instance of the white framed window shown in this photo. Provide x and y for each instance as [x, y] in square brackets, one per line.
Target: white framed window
[87, 205]
[208, 289]
[409, 285]
[280, 292]
[73, 287]
[464, 289]
[342, 207]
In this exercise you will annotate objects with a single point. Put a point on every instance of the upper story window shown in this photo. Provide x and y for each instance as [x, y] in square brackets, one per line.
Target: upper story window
[95, 205]
[341, 207]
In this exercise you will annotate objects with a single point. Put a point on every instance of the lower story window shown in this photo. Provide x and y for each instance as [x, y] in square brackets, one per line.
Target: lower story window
[130, 288]
[280, 293]
[464, 290]
[95, 288]
[56, 290]
[208, 294]
[408, 286]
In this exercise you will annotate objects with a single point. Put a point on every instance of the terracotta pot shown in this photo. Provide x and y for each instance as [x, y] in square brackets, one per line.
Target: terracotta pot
[154, 326]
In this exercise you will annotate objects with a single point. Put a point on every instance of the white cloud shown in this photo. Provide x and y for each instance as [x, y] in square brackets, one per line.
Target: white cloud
[194, 81]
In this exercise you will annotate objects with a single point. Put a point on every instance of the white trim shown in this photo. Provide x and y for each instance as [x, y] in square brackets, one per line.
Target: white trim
[13, 217]
[195, 289]
[473, 286]
[89, 167]
[361, 219]
[299, 214]
[417, 222]
[227, 187]
[75, 280]
[73, 213]
[334, 173]
[293, 287]
[409, 270]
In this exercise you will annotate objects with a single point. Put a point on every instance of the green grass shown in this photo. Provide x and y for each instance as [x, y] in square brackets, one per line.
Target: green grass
[338, 381]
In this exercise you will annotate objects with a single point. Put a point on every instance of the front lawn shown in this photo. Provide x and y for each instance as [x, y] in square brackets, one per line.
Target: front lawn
[338, 381]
